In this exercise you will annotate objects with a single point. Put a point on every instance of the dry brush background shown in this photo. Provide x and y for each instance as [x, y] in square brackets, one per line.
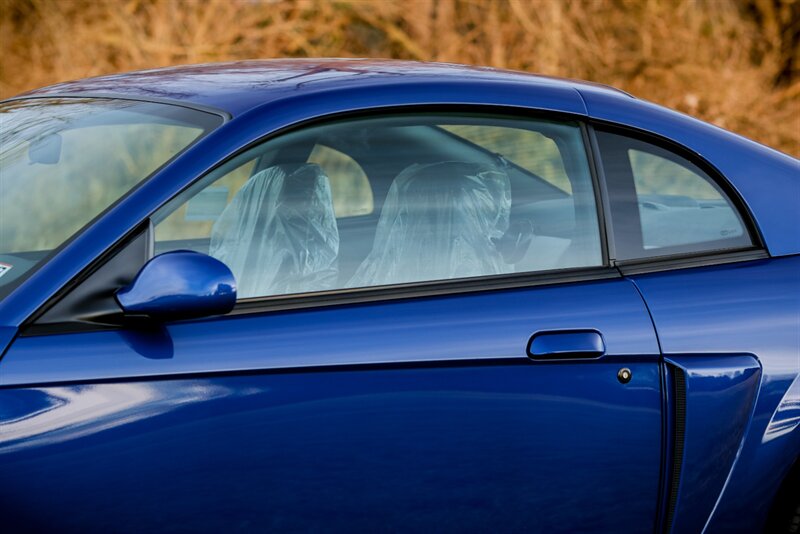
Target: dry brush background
[735, 63]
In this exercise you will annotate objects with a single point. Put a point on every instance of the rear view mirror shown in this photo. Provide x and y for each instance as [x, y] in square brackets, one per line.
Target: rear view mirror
[179, 285]
[45, 149]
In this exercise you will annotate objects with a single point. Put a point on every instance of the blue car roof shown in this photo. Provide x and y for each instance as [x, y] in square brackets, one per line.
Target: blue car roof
[237, 87]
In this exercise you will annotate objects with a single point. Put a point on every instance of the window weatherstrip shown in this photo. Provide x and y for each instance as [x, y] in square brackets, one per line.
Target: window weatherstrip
[423, 289]
[688, 261]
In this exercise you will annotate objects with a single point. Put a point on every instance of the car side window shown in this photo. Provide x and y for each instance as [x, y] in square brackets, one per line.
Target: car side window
[393, 200]
[663, 204]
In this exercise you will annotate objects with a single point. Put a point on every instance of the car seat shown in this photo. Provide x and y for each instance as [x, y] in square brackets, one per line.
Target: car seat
[439, 221]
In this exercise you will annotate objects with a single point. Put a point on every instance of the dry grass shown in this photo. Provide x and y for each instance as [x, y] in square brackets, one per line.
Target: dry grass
[734, 63]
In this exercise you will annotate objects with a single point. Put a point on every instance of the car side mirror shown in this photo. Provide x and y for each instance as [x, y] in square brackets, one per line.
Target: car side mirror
[179, 285]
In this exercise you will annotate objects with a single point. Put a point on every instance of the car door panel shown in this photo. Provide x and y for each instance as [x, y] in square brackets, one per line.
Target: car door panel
[456, 448]
[407, 414]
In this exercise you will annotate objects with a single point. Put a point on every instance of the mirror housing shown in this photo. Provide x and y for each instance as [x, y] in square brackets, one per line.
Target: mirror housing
[177, 285]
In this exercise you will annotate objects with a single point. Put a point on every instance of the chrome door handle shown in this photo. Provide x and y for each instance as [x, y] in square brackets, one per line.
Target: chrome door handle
[566, 345]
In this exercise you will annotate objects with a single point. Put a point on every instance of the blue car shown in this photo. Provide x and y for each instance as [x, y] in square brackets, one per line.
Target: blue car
[362, 296]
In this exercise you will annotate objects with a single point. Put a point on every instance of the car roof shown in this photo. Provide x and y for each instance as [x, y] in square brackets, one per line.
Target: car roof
[237, 87]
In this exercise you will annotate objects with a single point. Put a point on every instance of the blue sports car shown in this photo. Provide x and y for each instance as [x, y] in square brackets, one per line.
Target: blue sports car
[361, 296]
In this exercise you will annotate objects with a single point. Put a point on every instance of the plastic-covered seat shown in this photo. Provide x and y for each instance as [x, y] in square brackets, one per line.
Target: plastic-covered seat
[278, 235]
[439, 221]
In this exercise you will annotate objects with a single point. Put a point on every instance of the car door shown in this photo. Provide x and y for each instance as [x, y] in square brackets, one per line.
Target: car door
[451, 352]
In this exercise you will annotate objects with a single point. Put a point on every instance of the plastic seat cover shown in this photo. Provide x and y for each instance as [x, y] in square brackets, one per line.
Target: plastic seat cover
[279, 235]
[439, 221]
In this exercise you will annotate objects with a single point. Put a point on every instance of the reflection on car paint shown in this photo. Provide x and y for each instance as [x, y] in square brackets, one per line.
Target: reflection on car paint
[73, 412]
[787, 416]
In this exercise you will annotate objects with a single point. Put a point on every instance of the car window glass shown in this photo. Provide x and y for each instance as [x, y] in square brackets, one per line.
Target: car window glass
[663, 204]
[401, 199]
[530, 150]
[352, 194]
[194, 219]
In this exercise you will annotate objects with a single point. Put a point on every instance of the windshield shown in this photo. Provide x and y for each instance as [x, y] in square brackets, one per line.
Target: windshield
[63, 161]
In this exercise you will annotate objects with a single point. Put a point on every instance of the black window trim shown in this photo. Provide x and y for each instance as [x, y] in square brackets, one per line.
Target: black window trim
[690, 260]
[609, 269]
[423, 289]
[600, 196]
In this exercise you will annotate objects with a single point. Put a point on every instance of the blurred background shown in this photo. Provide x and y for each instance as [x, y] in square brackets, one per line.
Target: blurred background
[735, 63]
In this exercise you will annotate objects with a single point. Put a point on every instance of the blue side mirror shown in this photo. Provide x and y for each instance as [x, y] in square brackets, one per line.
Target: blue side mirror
[179, 285]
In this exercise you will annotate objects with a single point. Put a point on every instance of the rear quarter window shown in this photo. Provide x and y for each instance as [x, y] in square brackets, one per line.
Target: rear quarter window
[663, 204]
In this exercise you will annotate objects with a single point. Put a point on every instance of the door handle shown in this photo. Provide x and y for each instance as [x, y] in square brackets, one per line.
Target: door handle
[566, 345]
